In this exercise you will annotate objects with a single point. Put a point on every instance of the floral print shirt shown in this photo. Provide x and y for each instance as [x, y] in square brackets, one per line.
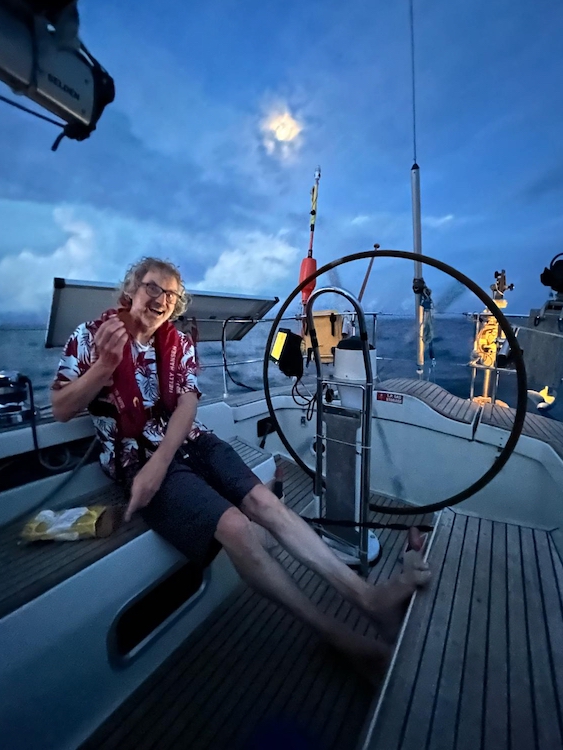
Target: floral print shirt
[79, 354]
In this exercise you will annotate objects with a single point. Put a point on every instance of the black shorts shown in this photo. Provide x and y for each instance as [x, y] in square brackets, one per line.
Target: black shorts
[196, 491]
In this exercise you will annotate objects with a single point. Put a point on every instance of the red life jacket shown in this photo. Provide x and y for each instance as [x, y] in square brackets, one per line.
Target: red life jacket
[126, 399]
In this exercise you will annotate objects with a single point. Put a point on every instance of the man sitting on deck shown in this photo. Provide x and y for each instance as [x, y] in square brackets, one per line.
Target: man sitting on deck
[136, 374]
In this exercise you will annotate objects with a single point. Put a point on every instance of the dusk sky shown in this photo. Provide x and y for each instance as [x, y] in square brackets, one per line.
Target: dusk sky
[223, 111]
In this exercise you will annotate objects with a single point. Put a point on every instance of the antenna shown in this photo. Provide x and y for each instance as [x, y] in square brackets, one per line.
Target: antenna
[421, 292]
[309, 264]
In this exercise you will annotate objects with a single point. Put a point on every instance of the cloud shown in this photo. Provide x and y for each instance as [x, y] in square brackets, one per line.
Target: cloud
[399, 225]
[254, 264]
[357, 221]
[26, 278]
[437, 222]
[116, 170]
[187, 162]
[387, 228]
[26, 224]
[98, 246]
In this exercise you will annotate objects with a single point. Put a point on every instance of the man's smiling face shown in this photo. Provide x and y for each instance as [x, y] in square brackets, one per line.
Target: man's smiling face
[154, 301]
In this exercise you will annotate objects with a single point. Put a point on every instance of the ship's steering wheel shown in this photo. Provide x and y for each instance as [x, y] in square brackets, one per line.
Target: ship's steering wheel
[517, 426]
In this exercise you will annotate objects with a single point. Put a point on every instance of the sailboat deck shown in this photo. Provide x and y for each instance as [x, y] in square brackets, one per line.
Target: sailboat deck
[480, 662]
[459, 409]
[541, 428]
[442, 401]
[29, 570]
[253, 667]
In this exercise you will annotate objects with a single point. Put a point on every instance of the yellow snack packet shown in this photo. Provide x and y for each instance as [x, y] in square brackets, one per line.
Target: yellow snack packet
[71, 524]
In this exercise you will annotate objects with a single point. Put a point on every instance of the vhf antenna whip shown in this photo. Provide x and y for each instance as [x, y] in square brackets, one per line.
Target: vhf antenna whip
[309, 264]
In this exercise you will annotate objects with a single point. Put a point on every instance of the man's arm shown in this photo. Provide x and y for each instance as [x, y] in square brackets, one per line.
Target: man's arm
[70, 398]
[147, 482]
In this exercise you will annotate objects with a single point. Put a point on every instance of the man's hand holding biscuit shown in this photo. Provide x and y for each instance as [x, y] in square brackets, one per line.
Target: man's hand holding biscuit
[109, 341]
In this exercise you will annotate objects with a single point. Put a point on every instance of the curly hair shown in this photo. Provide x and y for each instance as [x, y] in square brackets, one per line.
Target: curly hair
[136, 273]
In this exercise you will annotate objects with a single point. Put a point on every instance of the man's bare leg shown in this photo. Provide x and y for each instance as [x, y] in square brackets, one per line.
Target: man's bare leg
[383, 602]
[266, 576]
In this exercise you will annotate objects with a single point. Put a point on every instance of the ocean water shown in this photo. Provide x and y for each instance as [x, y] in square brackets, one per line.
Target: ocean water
[22, 349]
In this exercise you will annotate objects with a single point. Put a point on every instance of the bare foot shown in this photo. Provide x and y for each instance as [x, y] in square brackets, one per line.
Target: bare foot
[415, 539]
[389, 600]
[368, 656]
[388, 607]
[416, 571]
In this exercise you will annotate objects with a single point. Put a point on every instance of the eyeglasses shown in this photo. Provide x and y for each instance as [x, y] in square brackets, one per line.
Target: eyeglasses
[154, 291]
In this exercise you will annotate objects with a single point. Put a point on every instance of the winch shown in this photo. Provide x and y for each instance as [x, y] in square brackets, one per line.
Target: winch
[15, 398]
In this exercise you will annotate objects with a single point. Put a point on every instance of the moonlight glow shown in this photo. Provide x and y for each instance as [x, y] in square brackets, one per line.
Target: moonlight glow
[284, 127]
[281, 133]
